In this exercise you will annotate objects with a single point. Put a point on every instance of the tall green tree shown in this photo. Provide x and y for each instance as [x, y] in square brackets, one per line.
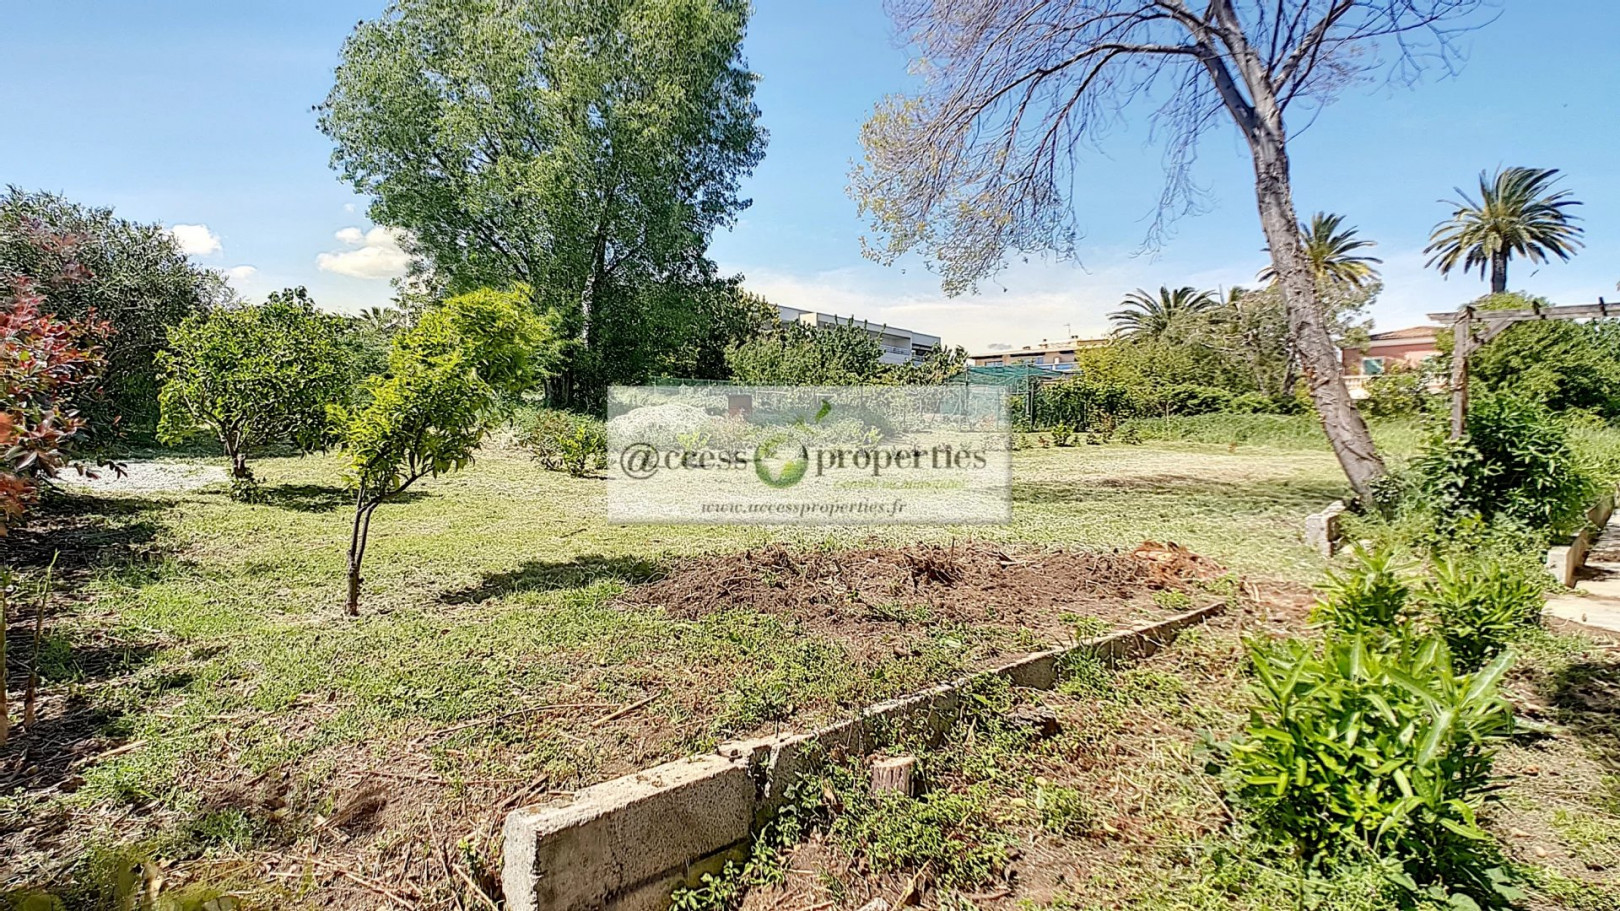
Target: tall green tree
[589, 149]
[1146, 315]
[253, 375]
[448, 378]
[1517, 213]
[132, 276]
[1332, 251]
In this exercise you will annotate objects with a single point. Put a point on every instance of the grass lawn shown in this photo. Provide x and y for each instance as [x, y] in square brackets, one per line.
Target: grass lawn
[1116, 809]
[204, 694]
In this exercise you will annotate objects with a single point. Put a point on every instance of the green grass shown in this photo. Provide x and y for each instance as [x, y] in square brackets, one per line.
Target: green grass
[1118, 810]
[212, 631]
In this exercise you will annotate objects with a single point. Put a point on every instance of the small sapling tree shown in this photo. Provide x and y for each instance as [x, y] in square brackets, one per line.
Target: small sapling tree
[447, 379]
[254, 375]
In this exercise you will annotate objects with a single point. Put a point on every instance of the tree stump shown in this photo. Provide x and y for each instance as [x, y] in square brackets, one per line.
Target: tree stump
[893, 775]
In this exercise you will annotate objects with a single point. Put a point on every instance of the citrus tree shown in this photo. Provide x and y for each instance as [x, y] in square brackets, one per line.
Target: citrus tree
[447, 380]
[254, 375]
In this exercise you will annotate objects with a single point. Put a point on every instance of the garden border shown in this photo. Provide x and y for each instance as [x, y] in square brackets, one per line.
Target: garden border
[1565, 560]
[626, 844]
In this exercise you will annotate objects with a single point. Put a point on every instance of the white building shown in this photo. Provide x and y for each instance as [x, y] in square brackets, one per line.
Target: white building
[900, 346]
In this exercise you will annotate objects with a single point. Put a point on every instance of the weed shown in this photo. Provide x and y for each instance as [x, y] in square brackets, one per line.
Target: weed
[1063, 810]
[1170, 599]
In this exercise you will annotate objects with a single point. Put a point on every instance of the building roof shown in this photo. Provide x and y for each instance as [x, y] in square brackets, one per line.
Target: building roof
[1409, 333]
[1047, 346]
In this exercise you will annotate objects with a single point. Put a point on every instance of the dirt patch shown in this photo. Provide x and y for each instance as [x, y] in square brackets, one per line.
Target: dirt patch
[852, 593]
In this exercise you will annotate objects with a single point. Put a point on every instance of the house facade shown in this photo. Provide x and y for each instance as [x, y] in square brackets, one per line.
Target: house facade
[1397, 349]
[900, 346]
[1057, 356]
[1394, 349]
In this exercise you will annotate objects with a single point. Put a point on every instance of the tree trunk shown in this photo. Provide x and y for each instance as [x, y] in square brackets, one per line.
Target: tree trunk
[5, 702]
[357, 551]
[238, 458]
[1320, 359]
[1499, 263]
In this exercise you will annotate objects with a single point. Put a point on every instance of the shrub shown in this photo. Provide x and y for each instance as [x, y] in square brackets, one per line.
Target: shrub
[1368, 596]
[1355, 750]
[1251, 403]
[1479, 605]
[564, 441]
[1394, 395]
[1515, 462]
[1185, 398]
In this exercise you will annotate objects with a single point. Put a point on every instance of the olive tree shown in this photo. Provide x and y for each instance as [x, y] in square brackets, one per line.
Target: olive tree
[978, 164]
[447, 379]
[254, 375]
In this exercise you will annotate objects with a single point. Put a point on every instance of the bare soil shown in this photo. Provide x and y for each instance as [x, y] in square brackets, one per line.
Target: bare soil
[875, 592]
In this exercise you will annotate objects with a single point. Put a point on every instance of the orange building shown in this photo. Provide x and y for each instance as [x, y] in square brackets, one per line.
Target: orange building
[1406, 347]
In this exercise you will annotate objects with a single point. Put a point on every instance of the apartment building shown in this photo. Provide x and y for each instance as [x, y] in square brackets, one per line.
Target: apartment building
[900, 346]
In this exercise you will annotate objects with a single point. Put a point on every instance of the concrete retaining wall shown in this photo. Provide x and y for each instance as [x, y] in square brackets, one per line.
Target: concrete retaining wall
[626, 844]
[1565, 560]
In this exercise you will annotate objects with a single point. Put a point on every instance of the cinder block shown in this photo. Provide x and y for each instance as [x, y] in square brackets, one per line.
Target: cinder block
[1322, 529]
[624, 844]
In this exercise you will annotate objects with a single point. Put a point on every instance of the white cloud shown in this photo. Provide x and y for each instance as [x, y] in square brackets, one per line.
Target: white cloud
[196, 240]
[375, 254]
[241, 273]
[348, 207]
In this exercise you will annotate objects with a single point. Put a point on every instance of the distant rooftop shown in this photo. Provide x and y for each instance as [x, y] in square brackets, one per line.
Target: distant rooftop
[1411, 332]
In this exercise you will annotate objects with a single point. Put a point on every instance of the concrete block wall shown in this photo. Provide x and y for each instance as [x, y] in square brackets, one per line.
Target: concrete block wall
[626, 844]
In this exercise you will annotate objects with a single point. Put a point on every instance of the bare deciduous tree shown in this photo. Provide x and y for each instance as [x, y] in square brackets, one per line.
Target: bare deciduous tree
[977, 165]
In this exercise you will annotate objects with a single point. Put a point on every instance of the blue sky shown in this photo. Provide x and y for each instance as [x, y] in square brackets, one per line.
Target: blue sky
[197, 114]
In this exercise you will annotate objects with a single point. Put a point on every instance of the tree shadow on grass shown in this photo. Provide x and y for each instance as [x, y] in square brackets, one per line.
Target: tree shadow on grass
[1586, 696]
[81, 531]
[73, 725]
[1249, 496]
[556, 575]
[318, 498]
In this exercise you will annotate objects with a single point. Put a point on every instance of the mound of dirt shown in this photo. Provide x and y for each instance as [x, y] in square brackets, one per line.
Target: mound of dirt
[975, 582]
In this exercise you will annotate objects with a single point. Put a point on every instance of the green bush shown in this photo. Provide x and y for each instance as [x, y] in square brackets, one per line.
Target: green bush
[1394, 395]
[1252, 403]
[1515, 463]
[564, 441]
[1353, 751]
[1368, 596]
[1479, 605]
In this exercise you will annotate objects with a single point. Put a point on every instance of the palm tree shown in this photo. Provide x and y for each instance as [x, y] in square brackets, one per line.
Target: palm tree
[381, 319]
[1515, 215]
[1149, 316]
[1331, 251]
